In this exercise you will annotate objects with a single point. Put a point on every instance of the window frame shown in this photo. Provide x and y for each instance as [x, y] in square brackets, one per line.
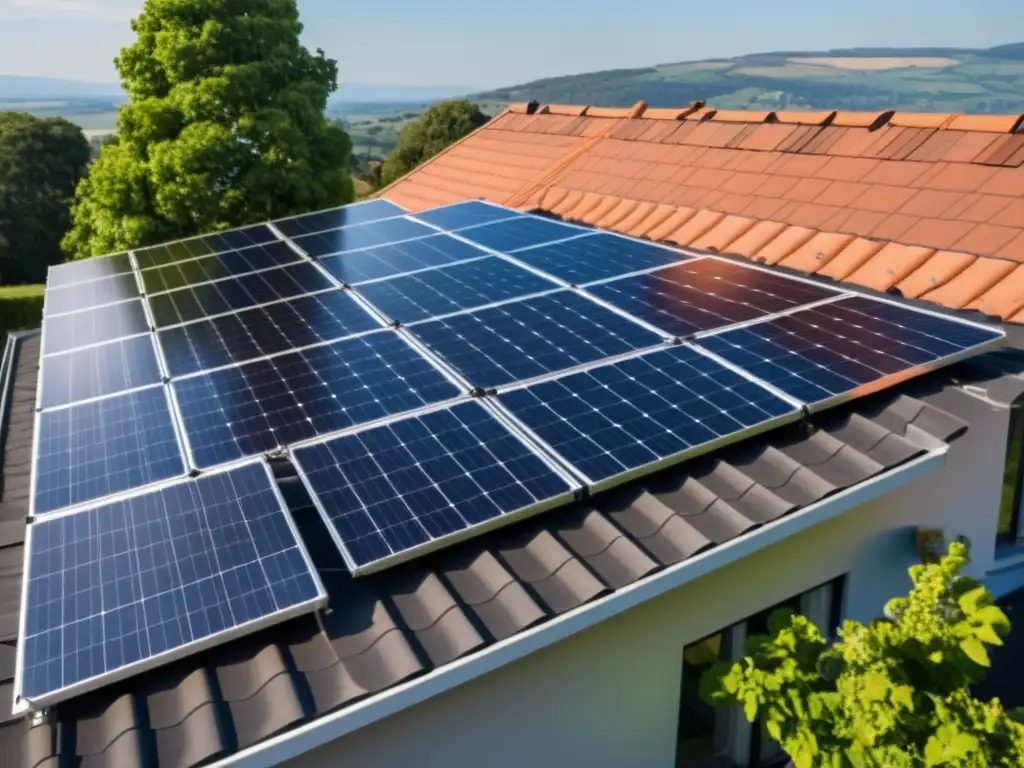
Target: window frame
[1012, 493]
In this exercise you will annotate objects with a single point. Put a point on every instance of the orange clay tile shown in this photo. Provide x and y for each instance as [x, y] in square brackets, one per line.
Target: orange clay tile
[783, 244]
[921, 120]
[942, 267]
[935, 233]
[980, 208]
[889, 266]
[881, 198]
[986, 239]
[1005, 299]
[644, 218]
[757, 237]
[764, 207]
[1006, 181]
[733, 203]
[960, 177]
[741, 116]
[978, 278]
[1002, 151]
[896, 173]
[1011, 216]
[811, 215]
[664, 114]
[893, 226]
[767, 137]
[850, 258]
[1013, 250]
[992, 123]
[969, 146]
[671, 224]
[600, 211]
[932, 150]
[608, 111]
[842, 193]
[846, 169]
[563, 109]
[805, 118]
[724, 232]
[861, 119]
[552, 196]
[567, 202]
[703, 221]
[930, 202]
[816, 252]
[860, 142]
[589, 202]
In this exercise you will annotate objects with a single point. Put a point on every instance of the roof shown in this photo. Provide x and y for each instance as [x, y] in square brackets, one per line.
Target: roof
[929, 205]
[418, 617]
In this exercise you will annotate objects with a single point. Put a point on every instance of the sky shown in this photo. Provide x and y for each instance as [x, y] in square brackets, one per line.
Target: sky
[491, 43]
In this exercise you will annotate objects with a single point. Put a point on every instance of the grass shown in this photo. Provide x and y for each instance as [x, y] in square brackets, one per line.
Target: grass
[21, 291]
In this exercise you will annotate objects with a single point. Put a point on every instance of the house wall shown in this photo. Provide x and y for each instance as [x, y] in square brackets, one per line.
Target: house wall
[609, 695]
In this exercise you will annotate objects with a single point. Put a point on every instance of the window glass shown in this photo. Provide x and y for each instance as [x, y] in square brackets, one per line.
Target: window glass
[1009, 505]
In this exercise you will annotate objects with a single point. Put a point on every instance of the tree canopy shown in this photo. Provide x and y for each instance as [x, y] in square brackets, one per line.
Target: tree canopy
[440, 126]
[41, 161]
[891, 694]
[224, 126]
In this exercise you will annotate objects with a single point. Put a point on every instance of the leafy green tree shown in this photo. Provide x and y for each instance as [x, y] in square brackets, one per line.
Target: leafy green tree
[41, 161]
[440, 126]
[224, 126]
[892, 694]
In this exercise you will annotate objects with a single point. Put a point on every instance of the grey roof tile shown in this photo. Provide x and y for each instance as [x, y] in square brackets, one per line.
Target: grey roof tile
[432, 615]
[195, 740]
[270, 710]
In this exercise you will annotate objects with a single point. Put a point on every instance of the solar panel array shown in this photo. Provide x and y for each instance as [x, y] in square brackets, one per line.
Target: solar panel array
[430, 376]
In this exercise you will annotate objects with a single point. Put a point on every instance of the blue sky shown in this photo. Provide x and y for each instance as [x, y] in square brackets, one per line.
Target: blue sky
[482, 43]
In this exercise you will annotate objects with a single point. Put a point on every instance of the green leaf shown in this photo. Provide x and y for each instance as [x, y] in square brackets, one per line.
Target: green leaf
[973, 600]
[934, 752]
[750, 707]
[774, 730]
[876, 686]
[975, 651]
[963, 745]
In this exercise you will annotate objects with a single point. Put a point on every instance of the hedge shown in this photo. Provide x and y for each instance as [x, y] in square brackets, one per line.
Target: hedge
[21, 307]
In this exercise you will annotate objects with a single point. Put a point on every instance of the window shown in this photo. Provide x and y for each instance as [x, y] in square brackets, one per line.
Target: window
[710, 737]
[1008, 529]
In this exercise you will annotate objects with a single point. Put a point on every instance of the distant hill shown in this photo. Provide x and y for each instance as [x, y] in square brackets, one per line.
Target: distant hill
[987, 80]
[411, 94]
[41, 88]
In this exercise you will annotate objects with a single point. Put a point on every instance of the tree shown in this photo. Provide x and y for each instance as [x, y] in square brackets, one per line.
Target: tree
[41, 161]
[892, 694]
[224, 126]
[440, 126]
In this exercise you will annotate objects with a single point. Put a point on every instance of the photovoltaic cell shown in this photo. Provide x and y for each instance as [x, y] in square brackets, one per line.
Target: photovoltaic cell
[114, 589]
[400, 258]
[466, 214]
[635, 416]
[88, 269]
[101, 370]
[705, 294]
[347, 216]
[102, 447]
[261, 331]
[523, 339]
[596, 257]
[849, 346]
[266, 404]
[93, 293]
[205, 245]
[217, 266]
[363, 236]
[419, 481]
[521, 232]
[206, 299]
[93, 326]
[450, 289]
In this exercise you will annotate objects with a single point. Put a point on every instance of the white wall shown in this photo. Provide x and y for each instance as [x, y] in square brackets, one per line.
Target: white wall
[608, 696]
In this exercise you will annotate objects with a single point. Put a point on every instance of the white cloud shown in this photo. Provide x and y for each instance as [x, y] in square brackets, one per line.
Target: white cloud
[111, 10]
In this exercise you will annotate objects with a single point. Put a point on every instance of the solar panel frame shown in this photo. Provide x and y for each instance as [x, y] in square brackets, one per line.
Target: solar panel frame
[531, 241]
[126, 293]
[429, 218]
[335, 263]
[71, 266]
[239, 253]
[320, 245]
[221, 244]
[274, 223]
[22, 705]
[46, 328]
[574, 487]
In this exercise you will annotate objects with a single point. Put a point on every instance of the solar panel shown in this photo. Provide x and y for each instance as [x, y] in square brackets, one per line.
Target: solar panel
[445, 290]
[94, 293]
[848, 347]
[400, 258]
[362, 236]
[124, 586]
[204, 245]
[346, 216]
[88, 269]
[262, 331]
[596, 257]
[629, 418]
[208, 299]
[93, 326]
[520, 232]
[466, 214]
[390, 492]
[268, 404]
[705, 294]
[523, 339]
[101, 447]
[105, 369]
[217, 266]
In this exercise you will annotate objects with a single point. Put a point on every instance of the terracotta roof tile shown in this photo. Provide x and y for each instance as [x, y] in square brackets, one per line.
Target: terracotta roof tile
[764, 207]
[921, 120]
[1004, 151]
[726, 231]
[936, 271]
[672, 224]
[979, 207]
[987, 238]
[862, 119]
[937, 233]
[783, 244]
[1013, 250]
[895, 173]
[805, 118]
[969, 146]
[756, 238]
[562, 109]
[930, 202]
[993, 123]
[891, 264]
[694, 227]
[818, 251]
[845, 169]
[1005, 299]
[741, 116]
[842, 193]
[975, 280]
[768, 137]
[664, 114]
[855, 254]
[933, 149]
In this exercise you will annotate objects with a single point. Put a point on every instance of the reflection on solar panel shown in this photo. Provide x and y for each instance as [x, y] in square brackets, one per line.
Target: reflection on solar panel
[363, 236]
[848, 347]
[638, 415]
[105, 290]
[93, 326]
[400, 258]
[75, 272]
[520, 232]
[267, 404]
[227, 264]
[262, 331]
[442, 291]
[101, 370]
[389, 492]
[158, 255]
[207, 299]
[596, 257]
[121, 587]
[102, 447]
[466, 214]
[704, 294]
[523, 339]
[347, 216]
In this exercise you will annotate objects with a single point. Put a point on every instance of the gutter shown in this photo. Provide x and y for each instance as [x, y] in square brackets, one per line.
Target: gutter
[332, 727]
[8, 365]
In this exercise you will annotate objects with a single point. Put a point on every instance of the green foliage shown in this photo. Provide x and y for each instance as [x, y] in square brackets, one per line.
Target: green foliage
[41, 161]
[224, 126]
[21, 307]
[892, 694]
[440, 126]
